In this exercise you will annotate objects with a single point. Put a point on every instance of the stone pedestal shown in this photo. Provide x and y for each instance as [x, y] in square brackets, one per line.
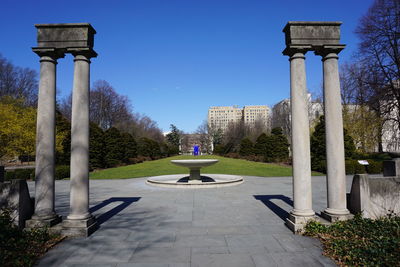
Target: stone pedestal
[79, 227]
[297, 223]
[194, 174]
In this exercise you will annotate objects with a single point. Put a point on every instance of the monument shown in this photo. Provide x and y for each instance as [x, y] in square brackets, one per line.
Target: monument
[53, 42]
[323, 38]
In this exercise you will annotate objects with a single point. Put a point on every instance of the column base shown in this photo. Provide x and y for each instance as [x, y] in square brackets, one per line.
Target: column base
[79, 228]
[40, 222]
[297, 223]
[336, 217]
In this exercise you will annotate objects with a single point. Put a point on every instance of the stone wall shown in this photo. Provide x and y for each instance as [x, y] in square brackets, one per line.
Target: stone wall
[14, 195]
[374, 197]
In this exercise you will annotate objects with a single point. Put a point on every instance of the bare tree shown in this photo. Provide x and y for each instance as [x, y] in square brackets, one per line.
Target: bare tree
[18, 82]
[140, 125]
[205, 137]
[379, 53]
[281, 117]
[107, 107]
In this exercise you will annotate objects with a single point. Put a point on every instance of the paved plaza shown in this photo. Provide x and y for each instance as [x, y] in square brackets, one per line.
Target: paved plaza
[143, 226]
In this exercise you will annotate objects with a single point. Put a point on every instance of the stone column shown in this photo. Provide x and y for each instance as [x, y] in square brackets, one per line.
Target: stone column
[302, 197]
[80, 221]
[336, 175]
[45, 141]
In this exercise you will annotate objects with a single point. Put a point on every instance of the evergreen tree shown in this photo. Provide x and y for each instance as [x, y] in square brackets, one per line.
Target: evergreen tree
[130, 147]
[262, 145]
[318, 147]
[149, 148]
[174, 136]
[280, 146]
[97, 148]
[63, 140]
[246, 147]
[114, 145]
[349, 147]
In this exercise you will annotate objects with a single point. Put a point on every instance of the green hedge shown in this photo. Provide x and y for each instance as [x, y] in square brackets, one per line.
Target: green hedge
[25, 174]
[62, 172]
[375, 167]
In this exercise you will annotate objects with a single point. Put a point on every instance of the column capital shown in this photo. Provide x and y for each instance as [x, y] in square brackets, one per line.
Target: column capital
[53, 53]
[291, 50]
[329, 51]
[87, 52]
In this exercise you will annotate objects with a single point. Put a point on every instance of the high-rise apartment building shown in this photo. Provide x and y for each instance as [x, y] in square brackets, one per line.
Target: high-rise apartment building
[220, 117]
[251, 114]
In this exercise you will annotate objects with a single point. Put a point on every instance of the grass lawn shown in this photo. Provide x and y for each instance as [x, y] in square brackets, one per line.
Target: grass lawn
[164, 167]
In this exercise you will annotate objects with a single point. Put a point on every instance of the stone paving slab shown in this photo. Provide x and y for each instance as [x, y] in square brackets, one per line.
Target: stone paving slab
[160, 227]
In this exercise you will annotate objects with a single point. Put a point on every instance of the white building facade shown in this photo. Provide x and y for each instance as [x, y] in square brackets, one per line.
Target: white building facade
[221, 117]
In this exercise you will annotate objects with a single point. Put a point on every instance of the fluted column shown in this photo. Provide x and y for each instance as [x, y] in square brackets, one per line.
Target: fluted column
[45, 214]
[336, 175]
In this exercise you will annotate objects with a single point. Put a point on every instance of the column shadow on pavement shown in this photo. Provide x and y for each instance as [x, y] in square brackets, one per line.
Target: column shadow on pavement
[126, 201]
[266, 200]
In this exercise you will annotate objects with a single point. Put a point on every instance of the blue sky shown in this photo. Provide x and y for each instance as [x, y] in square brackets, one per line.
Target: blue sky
[176, 58]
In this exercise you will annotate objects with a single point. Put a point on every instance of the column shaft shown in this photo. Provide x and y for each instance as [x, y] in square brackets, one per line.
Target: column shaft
[302, 198]
[45, 140]
[79, 195]
[336, 175]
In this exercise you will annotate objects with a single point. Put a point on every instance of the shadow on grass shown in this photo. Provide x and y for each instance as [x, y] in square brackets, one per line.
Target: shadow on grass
[266, 200]
[126, 201]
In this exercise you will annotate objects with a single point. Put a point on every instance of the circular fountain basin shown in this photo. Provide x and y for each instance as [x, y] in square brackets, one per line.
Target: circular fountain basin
[194, 166]
[206, 181]
[194, 179]
[194, 163]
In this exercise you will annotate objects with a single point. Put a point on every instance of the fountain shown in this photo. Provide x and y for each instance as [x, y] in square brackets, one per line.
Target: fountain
[195, 180]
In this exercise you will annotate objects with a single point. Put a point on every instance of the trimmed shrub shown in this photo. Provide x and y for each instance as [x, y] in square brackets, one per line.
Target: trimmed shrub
[9, 175]
[321, 167]
[279, 147]
[262, 145]
[350, 166]
[62, 172]
[374, 167]
[219, 149]
[353, 167]
[359, 169]
[24, 174]
[130, 146]
[97, 148]
[246, 147]
[233, 155]
[149, 148]
[114, 147]
[318, 147]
